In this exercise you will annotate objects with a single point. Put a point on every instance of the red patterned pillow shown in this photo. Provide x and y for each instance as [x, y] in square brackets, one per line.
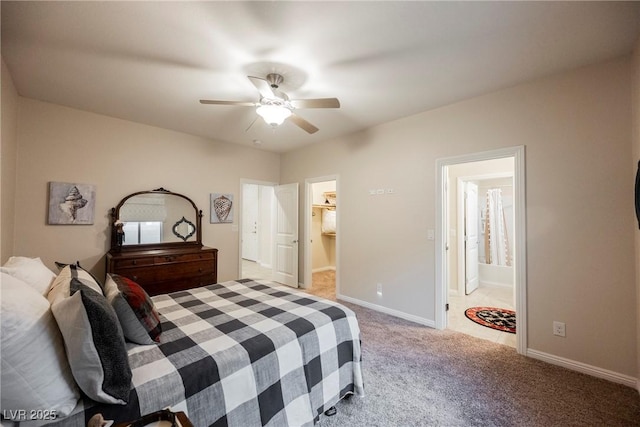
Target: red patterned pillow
[137, 315]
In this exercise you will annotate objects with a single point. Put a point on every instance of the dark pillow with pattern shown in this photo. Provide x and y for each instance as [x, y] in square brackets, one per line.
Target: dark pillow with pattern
[137, 315]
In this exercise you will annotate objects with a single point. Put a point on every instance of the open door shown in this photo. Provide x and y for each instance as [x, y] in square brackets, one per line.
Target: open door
[251, 206]
[286, 240]
[471, 236]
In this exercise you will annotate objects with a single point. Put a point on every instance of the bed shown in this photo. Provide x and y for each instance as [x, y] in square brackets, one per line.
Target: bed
[239, 353]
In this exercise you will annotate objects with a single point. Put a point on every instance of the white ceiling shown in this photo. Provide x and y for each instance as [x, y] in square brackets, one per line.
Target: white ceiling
[151, 62]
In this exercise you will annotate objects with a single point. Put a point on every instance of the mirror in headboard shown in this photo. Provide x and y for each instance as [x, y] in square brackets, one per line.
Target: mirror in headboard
[155, 219]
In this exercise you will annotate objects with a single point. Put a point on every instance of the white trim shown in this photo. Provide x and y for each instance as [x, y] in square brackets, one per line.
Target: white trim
[410, 317]
[520, 248]
[321, 269]
[584, 368]
[308, 209]
[496, 284]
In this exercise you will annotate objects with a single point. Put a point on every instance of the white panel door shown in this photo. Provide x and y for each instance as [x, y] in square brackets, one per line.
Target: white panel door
[286, 242]
[471, 236]
[250, 206]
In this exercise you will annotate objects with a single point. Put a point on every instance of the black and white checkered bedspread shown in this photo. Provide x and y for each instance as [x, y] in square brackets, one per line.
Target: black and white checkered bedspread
[243, 353]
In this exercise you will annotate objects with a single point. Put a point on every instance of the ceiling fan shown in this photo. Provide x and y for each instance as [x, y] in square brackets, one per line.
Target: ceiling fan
[275, 106]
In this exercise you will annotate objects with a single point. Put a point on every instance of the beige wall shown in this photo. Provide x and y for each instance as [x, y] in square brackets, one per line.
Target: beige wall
[56, 143]
[8, 150]
[635, 158]
[576, 127]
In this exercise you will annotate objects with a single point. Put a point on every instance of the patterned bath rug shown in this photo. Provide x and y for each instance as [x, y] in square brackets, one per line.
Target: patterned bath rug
[494, 318]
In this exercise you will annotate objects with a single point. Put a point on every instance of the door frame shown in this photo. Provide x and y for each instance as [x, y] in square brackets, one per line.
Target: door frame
[308, 211]
[244, 181]
[520, 249]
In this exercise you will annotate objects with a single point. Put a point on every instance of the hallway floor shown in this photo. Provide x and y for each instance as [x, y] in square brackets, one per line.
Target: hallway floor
[323, 284]
[487, 296]
[253, 270]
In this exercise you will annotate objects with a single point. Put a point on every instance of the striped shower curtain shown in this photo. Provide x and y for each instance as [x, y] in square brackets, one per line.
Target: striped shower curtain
[496, 239]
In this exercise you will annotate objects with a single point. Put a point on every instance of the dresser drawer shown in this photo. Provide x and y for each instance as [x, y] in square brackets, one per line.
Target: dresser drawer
[142, 276]
[187, 269]
[166, 270]
[183, 257]
[132, 262]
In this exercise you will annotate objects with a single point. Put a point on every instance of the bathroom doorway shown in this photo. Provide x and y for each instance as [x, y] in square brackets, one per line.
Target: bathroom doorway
[471, 188]
[482, 219]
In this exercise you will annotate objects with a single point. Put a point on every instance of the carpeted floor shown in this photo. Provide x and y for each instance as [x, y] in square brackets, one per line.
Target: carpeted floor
[419, 376]
[324, 284]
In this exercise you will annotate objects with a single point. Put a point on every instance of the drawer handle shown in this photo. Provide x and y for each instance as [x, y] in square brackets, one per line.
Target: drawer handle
[200, 270]
[134, 262]
[135, 277]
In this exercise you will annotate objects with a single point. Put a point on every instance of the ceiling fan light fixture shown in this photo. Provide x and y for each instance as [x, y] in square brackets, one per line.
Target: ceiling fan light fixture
[274, 115]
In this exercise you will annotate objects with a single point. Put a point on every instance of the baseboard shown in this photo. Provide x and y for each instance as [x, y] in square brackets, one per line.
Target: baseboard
[496, 284]
[321, 269]
[417, 319]
[584, 368]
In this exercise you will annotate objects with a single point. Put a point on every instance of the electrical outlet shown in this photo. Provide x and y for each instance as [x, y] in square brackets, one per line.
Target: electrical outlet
[559, 329]
[379, 289]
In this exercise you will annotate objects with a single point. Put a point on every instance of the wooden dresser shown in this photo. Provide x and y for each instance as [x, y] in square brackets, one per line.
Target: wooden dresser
[164, 270]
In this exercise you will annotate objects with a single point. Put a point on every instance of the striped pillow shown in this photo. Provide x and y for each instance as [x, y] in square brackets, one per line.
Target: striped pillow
[92, 336]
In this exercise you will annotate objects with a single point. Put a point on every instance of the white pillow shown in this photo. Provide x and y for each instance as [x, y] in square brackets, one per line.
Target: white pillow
[35, 372]
[32, 271]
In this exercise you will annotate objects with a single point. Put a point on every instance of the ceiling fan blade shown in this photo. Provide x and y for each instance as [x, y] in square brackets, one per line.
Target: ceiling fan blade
[241, 103]
[263, 87]
[302, 123]
[315, 103]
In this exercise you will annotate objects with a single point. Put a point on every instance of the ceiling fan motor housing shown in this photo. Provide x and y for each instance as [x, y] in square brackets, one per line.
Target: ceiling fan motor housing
[274, 80]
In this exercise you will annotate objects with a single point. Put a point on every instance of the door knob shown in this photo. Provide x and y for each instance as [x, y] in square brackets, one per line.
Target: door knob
[295, 241]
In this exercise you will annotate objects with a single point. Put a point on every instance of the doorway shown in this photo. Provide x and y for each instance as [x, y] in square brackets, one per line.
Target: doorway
[451, 257]
[256, 231]
[321, 226]
[481, 274]
[268, 241]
